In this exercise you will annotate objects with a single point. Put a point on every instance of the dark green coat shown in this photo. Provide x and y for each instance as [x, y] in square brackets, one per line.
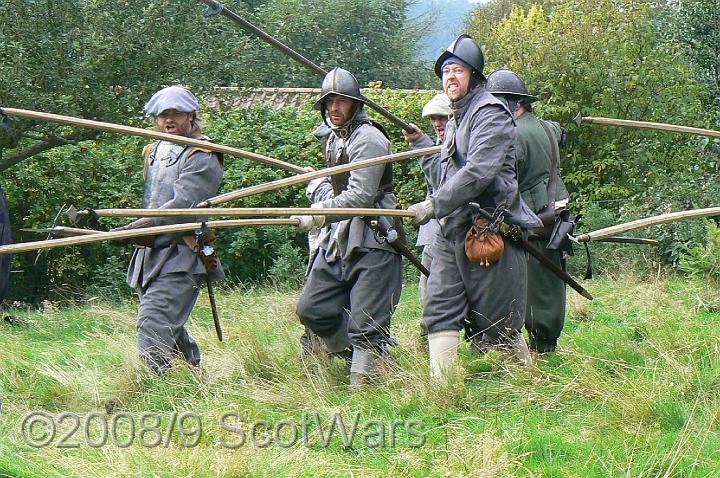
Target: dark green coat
[534, 156]
[545, 311]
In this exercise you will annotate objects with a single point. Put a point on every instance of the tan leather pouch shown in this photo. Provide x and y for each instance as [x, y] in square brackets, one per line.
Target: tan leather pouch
[482, 245]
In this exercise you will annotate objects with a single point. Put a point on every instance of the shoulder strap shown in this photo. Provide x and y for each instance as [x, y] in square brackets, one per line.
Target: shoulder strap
[554, 167]
[194, 150]
[381, 128]
[146, 152]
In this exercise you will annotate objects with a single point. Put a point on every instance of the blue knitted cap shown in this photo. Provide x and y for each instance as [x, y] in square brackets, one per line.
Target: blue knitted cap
[453, 60]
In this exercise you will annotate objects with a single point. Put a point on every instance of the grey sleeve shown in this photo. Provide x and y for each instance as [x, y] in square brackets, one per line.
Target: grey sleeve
[199, 180]
[363, 184]
[429, 164]
[319, 189]
[491, 134]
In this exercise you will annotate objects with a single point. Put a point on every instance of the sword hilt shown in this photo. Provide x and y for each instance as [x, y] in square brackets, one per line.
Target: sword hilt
[495, 220]
[203, 249]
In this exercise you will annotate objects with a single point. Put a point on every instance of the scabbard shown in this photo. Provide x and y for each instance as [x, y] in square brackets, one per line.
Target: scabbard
[198, 234]
[213, 307]
[402, 249]
[525, 245]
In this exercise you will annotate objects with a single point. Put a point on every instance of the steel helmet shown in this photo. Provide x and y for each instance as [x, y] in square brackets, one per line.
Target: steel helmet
[507, 82]
[339, 82]
[439, 105]
[464, 48]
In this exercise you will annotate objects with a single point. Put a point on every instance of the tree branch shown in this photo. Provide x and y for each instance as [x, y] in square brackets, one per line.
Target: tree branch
[46, 144]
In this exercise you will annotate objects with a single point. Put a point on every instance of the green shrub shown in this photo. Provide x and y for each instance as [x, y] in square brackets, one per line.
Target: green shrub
[702, 259]
[288, 270]
[109, 174]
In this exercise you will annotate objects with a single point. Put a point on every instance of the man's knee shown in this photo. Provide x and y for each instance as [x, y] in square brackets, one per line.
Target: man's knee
[306, 312]
[317, 318]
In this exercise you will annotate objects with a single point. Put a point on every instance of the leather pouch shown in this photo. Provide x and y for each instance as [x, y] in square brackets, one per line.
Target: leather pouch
[482, 245]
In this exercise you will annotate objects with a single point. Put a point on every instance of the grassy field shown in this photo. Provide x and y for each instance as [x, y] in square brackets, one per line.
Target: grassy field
[634, 390]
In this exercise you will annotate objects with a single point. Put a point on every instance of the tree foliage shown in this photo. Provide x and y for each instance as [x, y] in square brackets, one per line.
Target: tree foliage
[372, 38]
[604, 58]
[96, 59]
[695, 24]
[482, 20]
[102, 59]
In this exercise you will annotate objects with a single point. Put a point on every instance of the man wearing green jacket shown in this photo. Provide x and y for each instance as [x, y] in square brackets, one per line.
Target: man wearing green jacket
[537, 156]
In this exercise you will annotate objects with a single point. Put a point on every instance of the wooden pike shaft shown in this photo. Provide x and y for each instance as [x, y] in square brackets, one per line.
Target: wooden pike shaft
[147, 231]
[132, 131]
[646, 125]
[239, 211]
[62, 231]
[648, 221]
[306, 177]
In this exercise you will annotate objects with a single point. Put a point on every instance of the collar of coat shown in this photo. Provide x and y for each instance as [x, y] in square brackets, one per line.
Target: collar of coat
[461, 106]
[347, 129]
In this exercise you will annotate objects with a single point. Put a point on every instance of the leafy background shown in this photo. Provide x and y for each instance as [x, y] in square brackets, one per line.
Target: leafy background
[97, 59]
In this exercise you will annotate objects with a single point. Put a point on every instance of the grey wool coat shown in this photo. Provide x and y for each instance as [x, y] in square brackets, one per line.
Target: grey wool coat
[477, 164]
[184, 178]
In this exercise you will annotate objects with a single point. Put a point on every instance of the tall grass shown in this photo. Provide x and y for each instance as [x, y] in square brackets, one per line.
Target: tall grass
[633, 390]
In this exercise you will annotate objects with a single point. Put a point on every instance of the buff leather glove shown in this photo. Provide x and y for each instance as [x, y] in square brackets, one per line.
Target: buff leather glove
[309, 222]
[424, 211]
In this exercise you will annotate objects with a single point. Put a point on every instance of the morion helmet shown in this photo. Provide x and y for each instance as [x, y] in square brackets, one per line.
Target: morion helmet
[464, 48]
[339, 82]
[507, 82]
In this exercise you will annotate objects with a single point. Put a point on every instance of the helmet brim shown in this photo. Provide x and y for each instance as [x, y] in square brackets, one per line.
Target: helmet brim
[528, 98]
[444, 56]
[317, 105]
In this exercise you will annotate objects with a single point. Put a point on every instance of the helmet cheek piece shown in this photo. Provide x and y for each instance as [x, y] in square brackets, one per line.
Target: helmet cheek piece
[323, 112]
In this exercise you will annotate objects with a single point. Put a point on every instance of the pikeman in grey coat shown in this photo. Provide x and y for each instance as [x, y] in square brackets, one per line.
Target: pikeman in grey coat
[355, 278]
[477, 165]
[438, 110]
[166, 270]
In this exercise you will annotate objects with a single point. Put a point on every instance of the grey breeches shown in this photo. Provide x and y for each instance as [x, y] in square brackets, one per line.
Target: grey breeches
[367, 286]
[165, 306]
[493, 298]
